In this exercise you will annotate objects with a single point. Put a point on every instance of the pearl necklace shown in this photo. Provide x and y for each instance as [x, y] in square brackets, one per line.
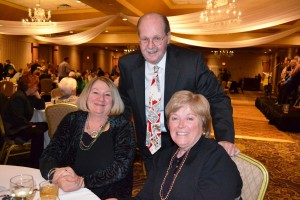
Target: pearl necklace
[92, 134]
[174, 177]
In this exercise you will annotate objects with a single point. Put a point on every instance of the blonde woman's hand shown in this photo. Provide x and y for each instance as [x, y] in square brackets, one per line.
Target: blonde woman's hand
[70, 183]
[62, 172]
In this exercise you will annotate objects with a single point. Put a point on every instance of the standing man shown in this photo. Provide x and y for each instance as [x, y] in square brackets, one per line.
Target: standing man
[64, 68]
[178, 69]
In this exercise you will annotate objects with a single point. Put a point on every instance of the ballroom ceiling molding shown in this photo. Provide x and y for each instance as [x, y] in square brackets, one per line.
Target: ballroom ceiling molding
[186, 28]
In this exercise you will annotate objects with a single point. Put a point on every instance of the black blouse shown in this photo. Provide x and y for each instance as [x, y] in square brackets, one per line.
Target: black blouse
[106, 167]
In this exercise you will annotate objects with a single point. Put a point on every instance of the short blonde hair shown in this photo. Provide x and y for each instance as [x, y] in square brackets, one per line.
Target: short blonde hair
[198, 104]
[117, 105]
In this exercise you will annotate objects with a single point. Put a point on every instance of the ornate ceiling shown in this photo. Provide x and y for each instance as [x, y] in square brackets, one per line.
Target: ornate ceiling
[69, 10]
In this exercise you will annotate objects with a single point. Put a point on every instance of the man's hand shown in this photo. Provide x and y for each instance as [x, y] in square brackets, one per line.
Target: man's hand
[230, 148]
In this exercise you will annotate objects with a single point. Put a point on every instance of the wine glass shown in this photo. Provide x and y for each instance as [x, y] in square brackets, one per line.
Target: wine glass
[21, 186]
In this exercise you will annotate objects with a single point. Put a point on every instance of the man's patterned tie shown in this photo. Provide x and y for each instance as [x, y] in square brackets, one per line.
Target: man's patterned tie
[153, 137]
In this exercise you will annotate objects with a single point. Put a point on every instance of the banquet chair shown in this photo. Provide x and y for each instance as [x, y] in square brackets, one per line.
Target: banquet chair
[46, 86]
[10, 147]
[7, 88]
[55, 113]
[254, 175]
[140, 161]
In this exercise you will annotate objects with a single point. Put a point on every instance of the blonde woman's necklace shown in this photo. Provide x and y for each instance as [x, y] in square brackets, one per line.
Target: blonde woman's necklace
[161, 191]
[86, 147]
[93, 133]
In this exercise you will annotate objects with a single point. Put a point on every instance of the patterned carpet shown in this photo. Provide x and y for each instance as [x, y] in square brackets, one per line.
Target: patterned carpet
[278, 151]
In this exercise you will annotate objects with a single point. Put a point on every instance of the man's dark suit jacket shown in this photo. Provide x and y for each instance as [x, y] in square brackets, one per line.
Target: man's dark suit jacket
[185, 70]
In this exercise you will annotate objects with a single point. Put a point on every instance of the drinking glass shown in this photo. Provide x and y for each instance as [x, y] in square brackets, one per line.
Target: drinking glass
[285, 108]
[49, 197]
[48, 189]
[21, 186]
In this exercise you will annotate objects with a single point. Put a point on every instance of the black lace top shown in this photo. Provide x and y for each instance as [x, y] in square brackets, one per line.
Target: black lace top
[109, 161]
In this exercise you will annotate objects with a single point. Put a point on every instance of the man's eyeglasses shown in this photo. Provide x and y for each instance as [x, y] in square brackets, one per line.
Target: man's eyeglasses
[156, 40]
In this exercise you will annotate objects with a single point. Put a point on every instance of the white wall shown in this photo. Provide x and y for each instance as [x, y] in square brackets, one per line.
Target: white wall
[16, 49]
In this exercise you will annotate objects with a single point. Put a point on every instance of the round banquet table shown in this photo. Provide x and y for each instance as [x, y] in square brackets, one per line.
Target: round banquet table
[8, 171]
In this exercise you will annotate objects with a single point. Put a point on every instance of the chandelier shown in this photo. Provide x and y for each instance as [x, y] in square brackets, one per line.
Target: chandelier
[220, 12]
[38, 16]
[130, 48]
[223, 53]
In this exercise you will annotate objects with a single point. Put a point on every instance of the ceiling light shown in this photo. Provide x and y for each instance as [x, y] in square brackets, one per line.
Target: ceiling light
[220, 12]
[223, 53]
[38, 16]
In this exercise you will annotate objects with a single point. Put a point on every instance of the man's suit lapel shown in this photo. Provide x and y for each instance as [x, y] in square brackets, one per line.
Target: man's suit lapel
[138, 77]
[171, 74]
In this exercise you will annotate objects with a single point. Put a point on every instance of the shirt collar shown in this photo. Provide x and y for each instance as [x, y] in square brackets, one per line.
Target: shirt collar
[161, 64]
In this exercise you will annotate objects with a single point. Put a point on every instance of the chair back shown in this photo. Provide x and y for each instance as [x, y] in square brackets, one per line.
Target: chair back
[46, 86]
[10, 148]
[55, 93]
[55, 113]
[7, 88]
[254, 175]
[4, 100]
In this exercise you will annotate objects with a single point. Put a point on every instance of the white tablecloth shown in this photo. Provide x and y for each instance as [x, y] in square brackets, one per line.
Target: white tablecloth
[8, 171]
[40, 116]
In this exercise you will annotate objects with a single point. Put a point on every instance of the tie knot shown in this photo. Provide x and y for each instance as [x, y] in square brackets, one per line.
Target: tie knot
[156, 69]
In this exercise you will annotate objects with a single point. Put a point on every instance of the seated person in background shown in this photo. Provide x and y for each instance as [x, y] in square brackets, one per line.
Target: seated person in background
[72, 74]
[291, 85]
[95, 146]
[197, 167]
[288, 85]
[18, 74]
[234, 87]
[67, 87]
[19, 112]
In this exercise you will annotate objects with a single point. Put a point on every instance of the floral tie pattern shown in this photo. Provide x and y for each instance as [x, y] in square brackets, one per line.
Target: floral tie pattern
[153, 137]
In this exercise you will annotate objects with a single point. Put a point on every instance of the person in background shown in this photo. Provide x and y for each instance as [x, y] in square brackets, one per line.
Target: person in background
[95, 146]
[43, 67]
[9, 69]
[288, 85]
[64, 68]
[67, 87]
[19, 74]
[259, 78]
[179, 69]
[19, 112]
[80, 84]
[197, 167]
[92, 75]
[35, 66]
[72, 74]
[99, 72]
[115, 71]
[1, 71]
